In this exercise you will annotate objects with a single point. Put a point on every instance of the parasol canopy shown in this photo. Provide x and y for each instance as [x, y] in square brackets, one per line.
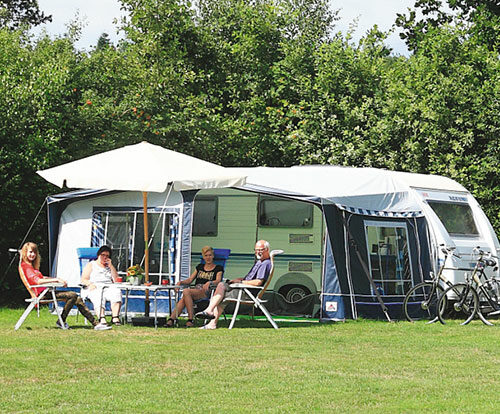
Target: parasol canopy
[141, 167]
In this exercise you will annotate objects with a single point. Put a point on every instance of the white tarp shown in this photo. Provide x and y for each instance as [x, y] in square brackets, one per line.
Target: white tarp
[359, 188]
[141, 167]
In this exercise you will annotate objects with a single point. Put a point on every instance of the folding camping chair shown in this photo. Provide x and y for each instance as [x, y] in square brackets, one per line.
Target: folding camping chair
[85, 255]
[255, 301]
[36, 301]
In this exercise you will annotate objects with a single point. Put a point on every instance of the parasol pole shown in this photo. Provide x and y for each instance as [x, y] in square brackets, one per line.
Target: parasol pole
[146, 249]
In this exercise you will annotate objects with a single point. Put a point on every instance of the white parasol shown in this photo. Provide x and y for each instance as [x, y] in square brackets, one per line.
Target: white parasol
[142, 167]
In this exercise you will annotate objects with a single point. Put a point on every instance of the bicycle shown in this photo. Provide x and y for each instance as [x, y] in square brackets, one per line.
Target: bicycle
[421, 301]
[473, 297]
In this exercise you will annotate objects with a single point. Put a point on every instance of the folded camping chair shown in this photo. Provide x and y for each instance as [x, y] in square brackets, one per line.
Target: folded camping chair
[47, 296]
[256, 301]
[220, 258]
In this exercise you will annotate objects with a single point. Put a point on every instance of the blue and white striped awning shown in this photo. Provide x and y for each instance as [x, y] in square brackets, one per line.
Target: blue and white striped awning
[376, 213]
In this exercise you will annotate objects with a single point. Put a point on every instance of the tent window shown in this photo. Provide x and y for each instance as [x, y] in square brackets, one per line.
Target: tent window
[278, 212]
[457, 218]
[389, 262]
[124, 233]
[205, 220]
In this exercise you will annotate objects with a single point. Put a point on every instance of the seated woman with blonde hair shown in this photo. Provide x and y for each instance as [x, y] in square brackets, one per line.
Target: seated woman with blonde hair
[30, 264]
[204, 275]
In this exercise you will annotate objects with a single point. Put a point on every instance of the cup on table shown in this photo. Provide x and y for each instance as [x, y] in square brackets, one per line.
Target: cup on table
[164, 282]
[119, 279]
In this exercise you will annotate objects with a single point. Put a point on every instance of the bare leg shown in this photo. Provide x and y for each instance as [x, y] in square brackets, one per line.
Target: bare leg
[178, 308]
[115, 309]
[216, 298]
[217, 313]
[190, 295]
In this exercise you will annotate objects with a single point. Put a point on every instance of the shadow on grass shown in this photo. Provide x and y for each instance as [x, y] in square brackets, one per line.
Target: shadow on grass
[9, 317]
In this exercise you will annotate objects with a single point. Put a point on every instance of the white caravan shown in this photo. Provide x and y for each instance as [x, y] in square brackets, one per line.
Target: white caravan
[269, 207]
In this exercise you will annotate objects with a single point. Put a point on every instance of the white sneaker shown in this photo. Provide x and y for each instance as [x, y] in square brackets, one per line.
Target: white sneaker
[102, 327]
[209, 327]
[65, 326]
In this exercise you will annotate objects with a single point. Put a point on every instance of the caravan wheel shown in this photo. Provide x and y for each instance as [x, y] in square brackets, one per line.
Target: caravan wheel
[294, 293]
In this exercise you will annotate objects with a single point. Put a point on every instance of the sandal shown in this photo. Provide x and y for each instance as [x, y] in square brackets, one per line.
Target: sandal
[115, 320]
[204, 315]
[171, 323]
[189, 323]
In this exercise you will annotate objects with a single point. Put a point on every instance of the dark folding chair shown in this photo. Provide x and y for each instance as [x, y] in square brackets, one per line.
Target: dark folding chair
[220, 258]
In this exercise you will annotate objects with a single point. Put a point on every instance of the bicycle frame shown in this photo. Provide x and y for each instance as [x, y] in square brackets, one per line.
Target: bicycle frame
[422, 296]
[468, 300]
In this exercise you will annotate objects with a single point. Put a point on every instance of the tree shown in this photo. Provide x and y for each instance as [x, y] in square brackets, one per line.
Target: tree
[481, 17]
[103, 42]
[17, 13]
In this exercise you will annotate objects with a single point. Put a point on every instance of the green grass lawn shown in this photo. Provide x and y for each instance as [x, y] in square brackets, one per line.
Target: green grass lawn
[357, 366]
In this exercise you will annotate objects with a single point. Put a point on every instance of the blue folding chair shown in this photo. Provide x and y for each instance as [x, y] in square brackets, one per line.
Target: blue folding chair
[85, 255]
[220, 256]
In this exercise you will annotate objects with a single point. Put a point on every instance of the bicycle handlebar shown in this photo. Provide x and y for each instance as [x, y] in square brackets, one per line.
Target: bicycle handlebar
[447, 250]
[489, 262]
[481, 252]
[485, 257]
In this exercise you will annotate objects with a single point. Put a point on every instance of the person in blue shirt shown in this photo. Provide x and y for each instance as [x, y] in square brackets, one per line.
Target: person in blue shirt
[257, 276]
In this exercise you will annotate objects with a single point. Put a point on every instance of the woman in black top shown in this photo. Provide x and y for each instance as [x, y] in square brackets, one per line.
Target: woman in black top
[204, 274]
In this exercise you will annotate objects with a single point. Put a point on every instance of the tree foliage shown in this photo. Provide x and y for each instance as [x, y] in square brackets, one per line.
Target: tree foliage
[481, 18]
[266, 82]
[17, 13]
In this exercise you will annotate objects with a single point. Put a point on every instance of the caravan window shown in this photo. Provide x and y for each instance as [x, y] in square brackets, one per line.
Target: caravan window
[205, 216]
[457, 218]
[390, 265]
[279, 212]
[124, 233]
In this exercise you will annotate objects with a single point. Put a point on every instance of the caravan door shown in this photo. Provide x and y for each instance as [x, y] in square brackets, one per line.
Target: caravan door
[297, 228]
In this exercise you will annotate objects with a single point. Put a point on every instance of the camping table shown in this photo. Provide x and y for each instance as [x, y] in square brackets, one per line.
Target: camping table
[153, 288]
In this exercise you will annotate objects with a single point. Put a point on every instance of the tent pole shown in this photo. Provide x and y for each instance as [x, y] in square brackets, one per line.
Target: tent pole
[146, 249]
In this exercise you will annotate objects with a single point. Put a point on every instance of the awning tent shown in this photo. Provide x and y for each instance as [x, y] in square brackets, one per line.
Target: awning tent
[369, 189]
[352, 199]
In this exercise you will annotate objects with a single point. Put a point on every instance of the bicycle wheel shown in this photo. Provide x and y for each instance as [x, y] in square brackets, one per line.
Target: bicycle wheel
[489, 302]
[421, 302]
[463, 305]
